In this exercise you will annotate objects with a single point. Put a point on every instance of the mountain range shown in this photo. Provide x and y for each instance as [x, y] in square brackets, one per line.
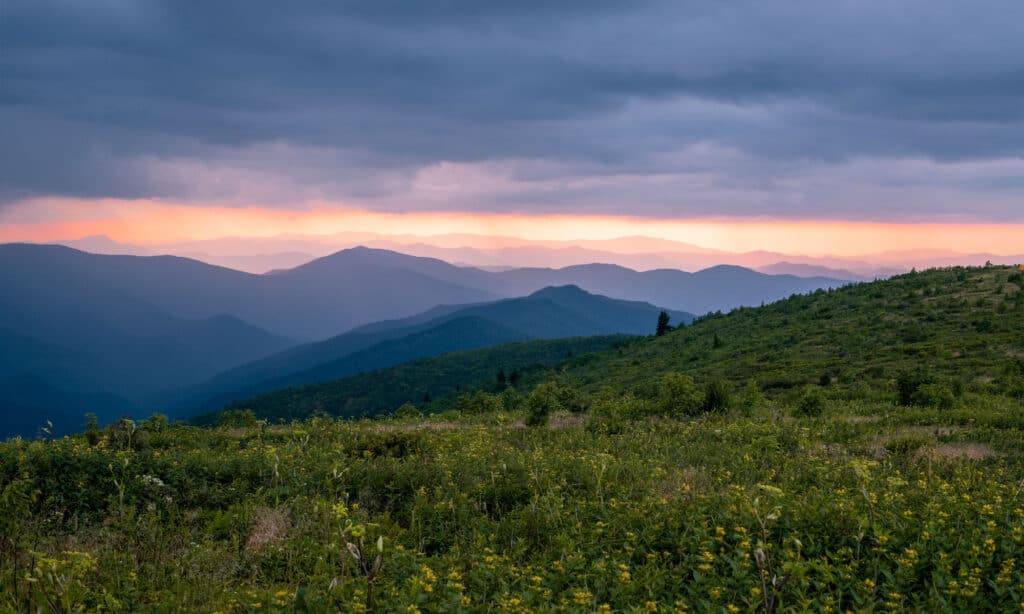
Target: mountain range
[259, 255]
[119, 334]
[550, 313]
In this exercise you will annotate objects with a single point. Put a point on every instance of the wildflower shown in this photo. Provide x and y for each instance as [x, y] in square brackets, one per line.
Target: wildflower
[582, 597]
[651, 606]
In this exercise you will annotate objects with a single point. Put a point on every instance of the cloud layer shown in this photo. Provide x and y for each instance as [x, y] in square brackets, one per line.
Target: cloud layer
[854, 110]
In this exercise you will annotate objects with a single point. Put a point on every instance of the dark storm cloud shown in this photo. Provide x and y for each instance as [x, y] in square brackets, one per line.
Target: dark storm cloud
[349, 99]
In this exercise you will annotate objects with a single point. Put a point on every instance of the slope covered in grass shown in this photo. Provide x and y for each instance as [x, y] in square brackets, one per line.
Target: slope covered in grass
[423, 380]
[961, 326]
[614, 500]
[954, 330]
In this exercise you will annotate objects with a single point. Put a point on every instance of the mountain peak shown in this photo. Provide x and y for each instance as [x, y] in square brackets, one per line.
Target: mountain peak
[566, 291]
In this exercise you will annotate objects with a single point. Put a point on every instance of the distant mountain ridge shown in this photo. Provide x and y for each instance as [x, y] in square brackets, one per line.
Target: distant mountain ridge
[259, 255]
[361, 285]
[142, 326]
[719, 288]
[554, 312]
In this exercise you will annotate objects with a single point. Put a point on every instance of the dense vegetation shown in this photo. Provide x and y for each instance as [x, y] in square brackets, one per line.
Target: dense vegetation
[949, 329]
[551, 313]
[957, 328]
[633, 479]
[423, 380]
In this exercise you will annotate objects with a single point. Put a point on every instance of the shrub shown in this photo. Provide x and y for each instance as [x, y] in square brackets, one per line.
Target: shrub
[907, 384]
[543, 401]
[610, 412]
[907, 444]
[752, 399]
[479, 402]
[717, 396]
[811, 403]
[126, 435]
[678, 395]
[407, 410]
[934, 395]
[237, 418]
[510, 399]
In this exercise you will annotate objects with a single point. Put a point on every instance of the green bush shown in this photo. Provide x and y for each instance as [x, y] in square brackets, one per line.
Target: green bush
[717, 396]
[542, 402]
[406, 411]
[907, 444]
[237, 418]
[610, 412]
[908, 383]
[751, 398]
[679, 395]
[934, 395]
[811, 403]
[479, 402]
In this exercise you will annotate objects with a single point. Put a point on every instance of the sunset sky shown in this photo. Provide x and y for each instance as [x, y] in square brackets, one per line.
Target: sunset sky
[840, 128]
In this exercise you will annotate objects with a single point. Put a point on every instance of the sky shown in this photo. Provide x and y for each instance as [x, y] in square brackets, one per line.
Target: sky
[833, 127]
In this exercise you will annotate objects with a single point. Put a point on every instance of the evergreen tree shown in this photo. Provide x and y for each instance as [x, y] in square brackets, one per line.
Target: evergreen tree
[663, 325]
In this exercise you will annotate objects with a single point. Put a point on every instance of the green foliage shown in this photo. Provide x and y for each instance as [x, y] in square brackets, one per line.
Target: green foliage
[125, 434]
[407, 411]
[811, 403]
[751, 398]
[480, 402]
[934, 395]
[717, 396]
[545, 399]
[510, 399]
[464, 514]
[646, 502]
[679, 396]
[610, 413]
[908, 383]
[861, 336]
[918, 387]
[438, 380]
[663, 324]
[237, 418]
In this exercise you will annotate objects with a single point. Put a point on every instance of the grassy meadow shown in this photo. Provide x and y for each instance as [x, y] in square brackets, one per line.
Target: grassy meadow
[857, 450]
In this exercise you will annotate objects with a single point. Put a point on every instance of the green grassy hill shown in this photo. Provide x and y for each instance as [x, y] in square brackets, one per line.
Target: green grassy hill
[959, 330]
[431, 382]
[646, 476]
[962, 326]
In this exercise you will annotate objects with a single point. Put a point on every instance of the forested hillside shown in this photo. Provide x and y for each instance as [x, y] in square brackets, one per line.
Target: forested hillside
[962, 328]
[550, 313]
[856, 450]
[420, 382]
[952, 330]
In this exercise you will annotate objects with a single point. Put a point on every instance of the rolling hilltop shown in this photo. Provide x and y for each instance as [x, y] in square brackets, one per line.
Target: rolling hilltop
[960, 327]
[116, 334]
[549, 313]
[874, 464]
[963, 325]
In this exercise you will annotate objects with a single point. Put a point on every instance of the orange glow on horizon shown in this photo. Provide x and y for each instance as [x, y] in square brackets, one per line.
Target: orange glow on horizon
[146, 222]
